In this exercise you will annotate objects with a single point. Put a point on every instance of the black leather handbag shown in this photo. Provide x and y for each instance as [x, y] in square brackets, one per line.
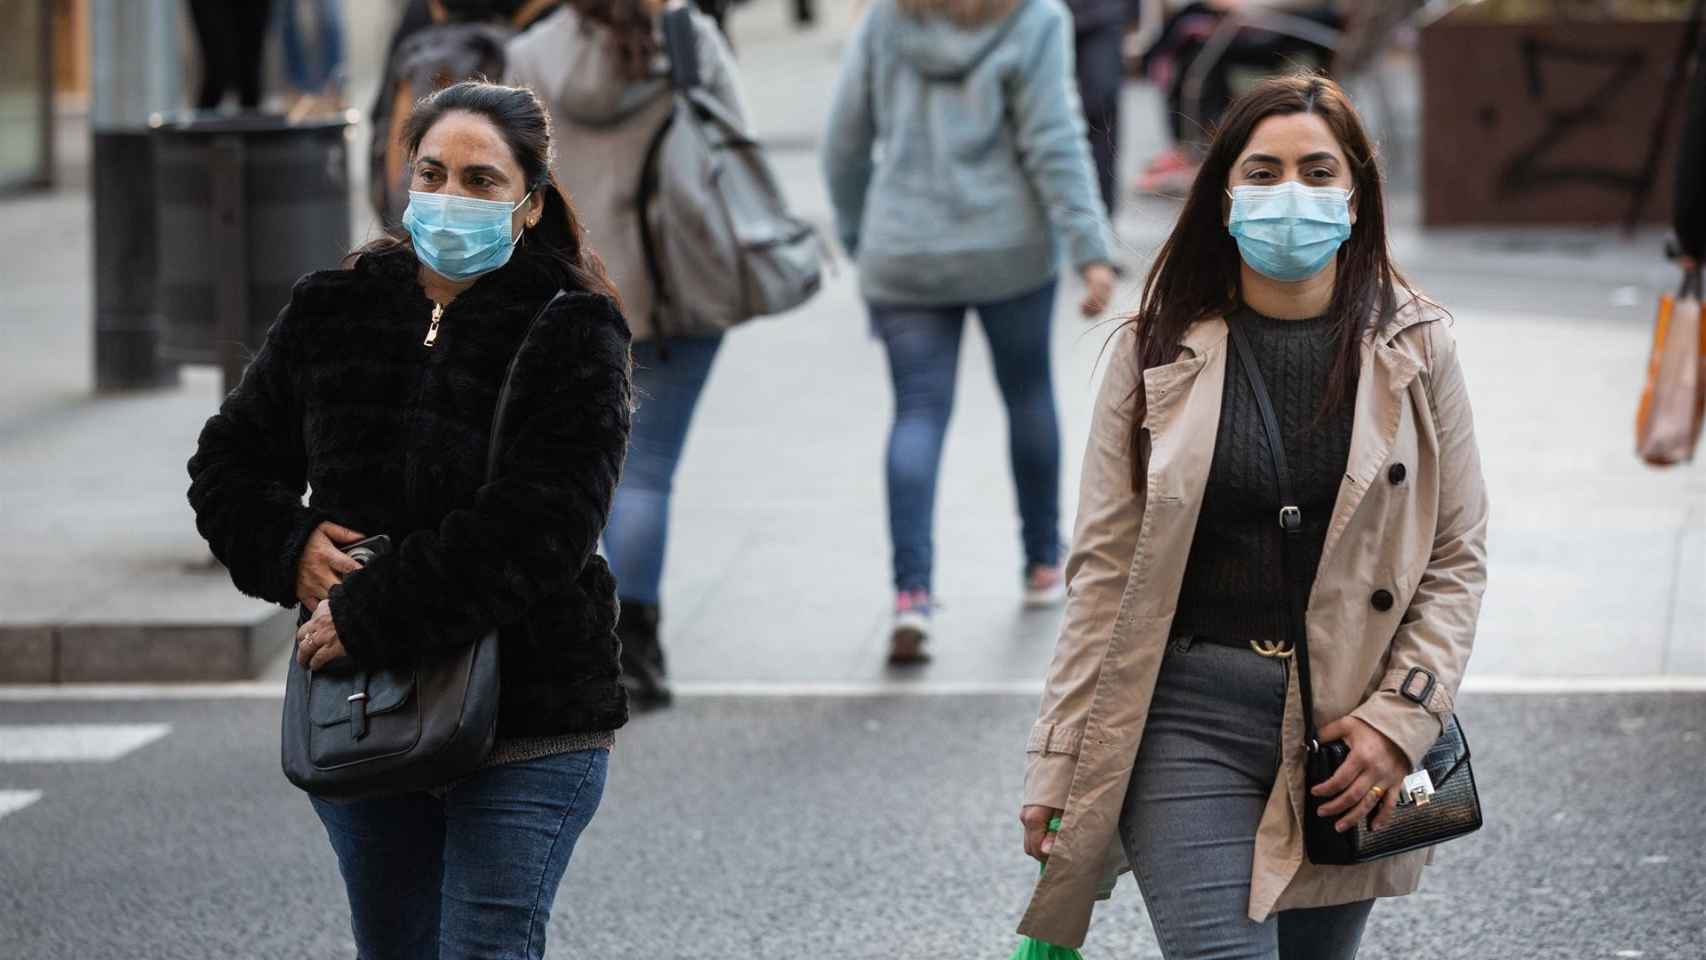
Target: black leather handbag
[1438, 802]
[350, 733]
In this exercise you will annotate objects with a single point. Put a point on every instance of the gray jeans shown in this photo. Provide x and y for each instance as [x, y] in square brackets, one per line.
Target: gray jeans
[1209, 758]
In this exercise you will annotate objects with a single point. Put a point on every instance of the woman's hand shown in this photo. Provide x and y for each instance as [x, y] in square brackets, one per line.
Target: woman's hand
[317, 642]
[1038, 840]
[1369, 778]
[1099, 282]
[323, 564]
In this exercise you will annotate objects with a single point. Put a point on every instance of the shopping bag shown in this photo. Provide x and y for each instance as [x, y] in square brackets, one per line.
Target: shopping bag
[1030, 949]
[1673, 402]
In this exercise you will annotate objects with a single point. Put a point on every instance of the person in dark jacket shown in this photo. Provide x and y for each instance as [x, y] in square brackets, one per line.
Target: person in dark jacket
[232, 34]
[1691, 174]
[376, 387]
[1098, 31]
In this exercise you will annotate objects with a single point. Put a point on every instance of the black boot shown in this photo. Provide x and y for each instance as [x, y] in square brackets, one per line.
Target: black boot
[642, 656]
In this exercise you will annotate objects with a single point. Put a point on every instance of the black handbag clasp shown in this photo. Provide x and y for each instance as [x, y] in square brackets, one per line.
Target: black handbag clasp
[358, 711]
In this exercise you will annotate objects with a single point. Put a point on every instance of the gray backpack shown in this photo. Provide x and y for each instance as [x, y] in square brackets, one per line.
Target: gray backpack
[720, 245]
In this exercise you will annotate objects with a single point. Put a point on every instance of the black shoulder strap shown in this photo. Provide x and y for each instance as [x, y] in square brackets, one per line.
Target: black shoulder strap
[1290, 520]
[503, 391]
[681, 47]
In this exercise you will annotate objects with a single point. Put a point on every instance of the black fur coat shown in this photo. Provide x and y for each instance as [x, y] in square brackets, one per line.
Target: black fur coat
[391, 436]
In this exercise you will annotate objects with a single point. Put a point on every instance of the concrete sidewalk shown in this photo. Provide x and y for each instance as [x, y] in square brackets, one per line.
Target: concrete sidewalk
[778, 566]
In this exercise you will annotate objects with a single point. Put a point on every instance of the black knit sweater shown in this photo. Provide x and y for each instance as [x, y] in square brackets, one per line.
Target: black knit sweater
[1232, 587]
[391, 435]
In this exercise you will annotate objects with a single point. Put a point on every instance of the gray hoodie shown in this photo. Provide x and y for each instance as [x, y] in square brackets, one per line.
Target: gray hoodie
[602, 123]
[956, 158]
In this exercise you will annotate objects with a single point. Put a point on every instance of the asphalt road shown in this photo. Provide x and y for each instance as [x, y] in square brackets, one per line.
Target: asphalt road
[830, 827]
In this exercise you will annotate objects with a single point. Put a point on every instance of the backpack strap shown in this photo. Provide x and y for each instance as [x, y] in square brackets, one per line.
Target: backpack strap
[643, 199]
[681, 47]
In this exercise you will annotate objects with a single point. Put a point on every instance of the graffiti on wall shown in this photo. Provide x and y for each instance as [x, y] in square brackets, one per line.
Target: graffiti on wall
[1536, 165]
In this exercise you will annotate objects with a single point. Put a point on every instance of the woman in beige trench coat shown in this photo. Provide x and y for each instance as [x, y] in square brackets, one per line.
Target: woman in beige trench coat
[1170, 734]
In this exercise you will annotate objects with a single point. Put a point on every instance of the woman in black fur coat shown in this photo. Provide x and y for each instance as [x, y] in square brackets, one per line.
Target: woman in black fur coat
[376, 388]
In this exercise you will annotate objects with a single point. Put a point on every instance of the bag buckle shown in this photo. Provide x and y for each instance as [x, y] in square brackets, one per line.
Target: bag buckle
[358, 714]
[1290, 519]
[1417, 790]
[1427, 688]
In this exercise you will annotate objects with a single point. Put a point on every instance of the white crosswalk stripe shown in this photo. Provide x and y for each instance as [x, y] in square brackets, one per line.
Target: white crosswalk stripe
[76, 742]
[68, 743]
[11, 801]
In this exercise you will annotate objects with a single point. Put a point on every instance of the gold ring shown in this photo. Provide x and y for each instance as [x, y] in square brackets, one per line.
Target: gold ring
[1378, 791]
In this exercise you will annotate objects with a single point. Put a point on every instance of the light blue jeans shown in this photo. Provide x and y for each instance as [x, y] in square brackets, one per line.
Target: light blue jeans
[667, 392]
[469, 875]
[1209, 758]
[923, 345]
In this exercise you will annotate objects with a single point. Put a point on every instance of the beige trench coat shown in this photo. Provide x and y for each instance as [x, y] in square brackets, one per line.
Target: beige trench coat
[1422, 539]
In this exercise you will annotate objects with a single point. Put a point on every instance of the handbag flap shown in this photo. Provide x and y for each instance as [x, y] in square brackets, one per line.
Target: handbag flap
[329, 693]
[1448, 754]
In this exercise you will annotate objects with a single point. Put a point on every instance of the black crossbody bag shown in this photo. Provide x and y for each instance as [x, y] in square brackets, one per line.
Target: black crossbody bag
[1438, 802]
[350, 733]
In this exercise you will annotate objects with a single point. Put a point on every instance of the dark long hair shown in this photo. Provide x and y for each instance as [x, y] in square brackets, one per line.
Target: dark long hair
[632, 32]
[1196, 274]
[557, 242]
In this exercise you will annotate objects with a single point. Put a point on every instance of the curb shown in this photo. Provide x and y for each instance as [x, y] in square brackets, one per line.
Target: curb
[143, 652]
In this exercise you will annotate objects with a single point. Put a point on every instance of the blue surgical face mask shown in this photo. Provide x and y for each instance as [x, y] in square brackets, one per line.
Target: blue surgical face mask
[1288, 231]
[460, 238]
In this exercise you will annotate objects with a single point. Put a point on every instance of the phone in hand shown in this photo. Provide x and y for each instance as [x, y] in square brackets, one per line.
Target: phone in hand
[364, 550]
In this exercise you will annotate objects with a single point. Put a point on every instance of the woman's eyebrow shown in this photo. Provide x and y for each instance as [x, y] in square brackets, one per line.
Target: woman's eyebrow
[1315, 157]
[483, 169]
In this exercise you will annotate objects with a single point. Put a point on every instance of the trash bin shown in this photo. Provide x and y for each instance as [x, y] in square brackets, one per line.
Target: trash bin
[247, 204]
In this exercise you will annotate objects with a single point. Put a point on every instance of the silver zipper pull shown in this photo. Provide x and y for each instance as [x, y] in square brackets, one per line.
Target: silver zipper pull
[432, 331]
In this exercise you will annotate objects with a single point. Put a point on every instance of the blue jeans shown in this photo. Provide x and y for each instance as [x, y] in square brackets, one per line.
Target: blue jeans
[924, 349]
[312, 63]
[1209, 758]
[470, 874]
[667, 392]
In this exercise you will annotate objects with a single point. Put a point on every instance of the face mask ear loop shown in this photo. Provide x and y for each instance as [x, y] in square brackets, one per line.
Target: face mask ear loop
[523, 230]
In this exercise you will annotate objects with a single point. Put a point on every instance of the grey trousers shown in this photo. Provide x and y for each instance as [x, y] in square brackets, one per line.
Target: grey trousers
[1209, 758]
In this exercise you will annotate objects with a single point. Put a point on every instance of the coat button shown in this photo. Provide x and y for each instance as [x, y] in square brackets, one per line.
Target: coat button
[1396, 474]
[1382, 600]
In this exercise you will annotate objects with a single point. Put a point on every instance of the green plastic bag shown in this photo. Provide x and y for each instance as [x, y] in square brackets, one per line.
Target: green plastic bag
[1030, 949]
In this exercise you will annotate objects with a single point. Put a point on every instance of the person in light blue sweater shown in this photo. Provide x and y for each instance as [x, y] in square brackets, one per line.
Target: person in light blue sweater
[960, 174]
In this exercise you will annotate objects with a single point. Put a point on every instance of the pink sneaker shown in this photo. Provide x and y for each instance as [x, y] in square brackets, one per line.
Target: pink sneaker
[911, 628]
[1170, 174]
[1044, 587]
